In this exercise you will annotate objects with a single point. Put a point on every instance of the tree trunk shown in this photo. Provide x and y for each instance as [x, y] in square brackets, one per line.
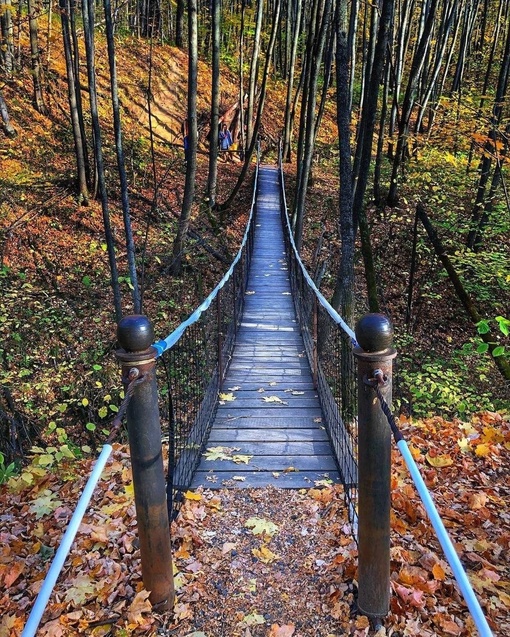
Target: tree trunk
[88, 27]
[79, 142]
[500, 361]
[343, 296]
[6, 37]
[212, 179]
[191, 168]
[260, 110]
[409, 102]
[324, 19]
[117, 126]
[253, 73]
[287, 127]
[33, 11]
[179, 24]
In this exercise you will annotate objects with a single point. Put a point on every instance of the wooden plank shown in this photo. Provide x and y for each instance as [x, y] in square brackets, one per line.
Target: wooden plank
[262, 412]
[274, 463]
[270, 434]
[259, 479]
[268, 422]
[288, 449]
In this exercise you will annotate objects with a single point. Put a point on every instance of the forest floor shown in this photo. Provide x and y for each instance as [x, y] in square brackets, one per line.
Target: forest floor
[297, 576]
[266, 562]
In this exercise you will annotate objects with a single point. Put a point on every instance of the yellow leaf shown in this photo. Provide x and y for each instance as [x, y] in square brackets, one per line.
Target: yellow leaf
[190, 495]
[464, 445]
[238, 459]
[439, 461]
[227, 397]
[273, 399]
[260, 526]
[265, 555]
[482, 450]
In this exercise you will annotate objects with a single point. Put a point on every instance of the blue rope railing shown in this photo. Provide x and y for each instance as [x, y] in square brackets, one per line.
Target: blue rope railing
[316, 358]
[195, 357]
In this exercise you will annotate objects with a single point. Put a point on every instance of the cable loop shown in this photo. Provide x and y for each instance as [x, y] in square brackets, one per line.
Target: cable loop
[117, 421]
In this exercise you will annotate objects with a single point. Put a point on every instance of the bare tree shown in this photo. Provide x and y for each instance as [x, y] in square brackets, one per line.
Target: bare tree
[191, 168]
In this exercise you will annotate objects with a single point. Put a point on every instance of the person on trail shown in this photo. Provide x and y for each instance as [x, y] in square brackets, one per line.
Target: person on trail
[225, 139]
[185, 138]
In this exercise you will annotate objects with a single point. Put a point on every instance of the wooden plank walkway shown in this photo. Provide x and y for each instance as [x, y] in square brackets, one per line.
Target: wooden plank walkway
[272, 432]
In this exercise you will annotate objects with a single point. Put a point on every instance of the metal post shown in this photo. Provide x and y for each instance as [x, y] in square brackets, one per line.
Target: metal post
[374, 334]
[135, 335]
[219, 326]
[315, 339]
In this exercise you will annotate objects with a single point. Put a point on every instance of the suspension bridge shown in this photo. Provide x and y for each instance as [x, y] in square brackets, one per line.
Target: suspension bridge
[269, 426]
[263, 384]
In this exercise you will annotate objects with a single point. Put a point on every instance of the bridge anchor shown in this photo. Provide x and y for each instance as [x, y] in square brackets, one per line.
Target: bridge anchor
[375, 355]
[137, 358]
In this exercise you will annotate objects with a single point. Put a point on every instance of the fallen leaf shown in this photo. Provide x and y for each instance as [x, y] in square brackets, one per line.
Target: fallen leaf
[274, 399]
[226, 397]
[265, 555]
[191, 495]
[477, 500]
[482, 450]
[282, 631]
[227, 547]
[15, 570]
[253, 620]
[260, 525]
[241, 459]
[439, 461]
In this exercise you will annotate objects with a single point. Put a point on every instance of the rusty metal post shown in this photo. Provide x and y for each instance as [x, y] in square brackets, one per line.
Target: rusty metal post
[375, 355]
[137, 358]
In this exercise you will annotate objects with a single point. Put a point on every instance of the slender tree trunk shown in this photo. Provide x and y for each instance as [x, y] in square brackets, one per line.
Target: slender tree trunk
[253, 73]
[364, 154]
[260, 110]
[212, 179]
[117, 126]
[35, 57]
[79, 141]
[500, 361]
[6, 37]
[409, 102]
[353, 28]
[88, 27]
[343, 296]
[491, 143]
[189, 186]
[287, 127]
[179, 24]
[310, 123]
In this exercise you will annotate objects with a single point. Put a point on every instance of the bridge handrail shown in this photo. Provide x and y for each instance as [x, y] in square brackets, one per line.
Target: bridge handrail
[322, 300]
[163, 345]
[458, 570]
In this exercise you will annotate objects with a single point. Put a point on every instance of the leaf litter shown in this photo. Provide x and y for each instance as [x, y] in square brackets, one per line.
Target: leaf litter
[266, 562]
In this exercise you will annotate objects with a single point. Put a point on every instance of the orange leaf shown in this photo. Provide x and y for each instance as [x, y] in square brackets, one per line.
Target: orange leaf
[477, 500]
[282, 631]
[13, 573]
[438, 572]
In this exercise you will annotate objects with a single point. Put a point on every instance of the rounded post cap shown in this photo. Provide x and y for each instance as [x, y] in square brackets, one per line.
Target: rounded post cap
[374, 332]
[135, 333]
